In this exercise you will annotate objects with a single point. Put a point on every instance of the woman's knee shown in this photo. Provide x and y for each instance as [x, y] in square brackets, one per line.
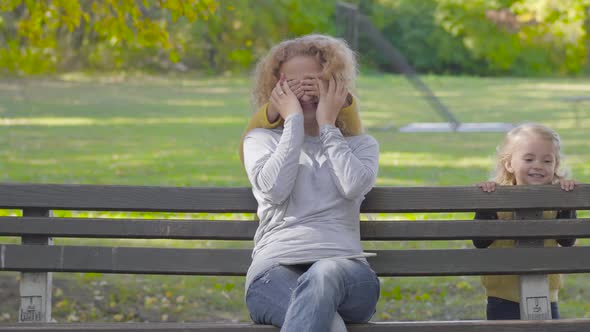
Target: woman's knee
[360, 302]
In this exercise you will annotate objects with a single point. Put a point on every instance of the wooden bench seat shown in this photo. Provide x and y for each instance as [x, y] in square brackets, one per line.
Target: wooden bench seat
[36, 257]
[565, 325]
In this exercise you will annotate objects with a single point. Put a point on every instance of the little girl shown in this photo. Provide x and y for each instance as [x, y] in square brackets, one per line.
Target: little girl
[529, 155]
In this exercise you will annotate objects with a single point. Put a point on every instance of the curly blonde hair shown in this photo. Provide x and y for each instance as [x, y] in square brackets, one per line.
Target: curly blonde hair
[508, 146]
[334, 55]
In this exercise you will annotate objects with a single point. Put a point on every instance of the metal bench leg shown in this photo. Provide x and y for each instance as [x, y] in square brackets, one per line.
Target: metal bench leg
[35, 287]
[534, 289]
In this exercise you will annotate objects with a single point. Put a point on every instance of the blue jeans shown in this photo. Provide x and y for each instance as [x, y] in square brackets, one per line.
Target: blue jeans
[500, 309]
[309, 298]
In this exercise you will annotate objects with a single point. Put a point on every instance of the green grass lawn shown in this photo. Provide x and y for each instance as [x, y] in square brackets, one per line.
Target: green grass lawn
[184, 131]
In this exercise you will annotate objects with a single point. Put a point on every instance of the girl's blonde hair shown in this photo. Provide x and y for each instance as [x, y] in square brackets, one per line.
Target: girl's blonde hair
[334, 55]
[507, 148]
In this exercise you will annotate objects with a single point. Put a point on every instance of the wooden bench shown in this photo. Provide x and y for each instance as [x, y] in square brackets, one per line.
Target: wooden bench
[36, 257]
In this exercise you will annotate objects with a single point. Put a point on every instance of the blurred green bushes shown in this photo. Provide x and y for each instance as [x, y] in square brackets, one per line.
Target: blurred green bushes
[472, 37]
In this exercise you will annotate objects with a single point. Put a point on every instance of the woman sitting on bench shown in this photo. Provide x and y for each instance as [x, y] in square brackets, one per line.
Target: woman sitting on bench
[309, 272]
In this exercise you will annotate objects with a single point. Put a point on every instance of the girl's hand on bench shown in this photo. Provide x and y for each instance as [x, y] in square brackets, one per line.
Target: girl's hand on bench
[487, 186]
[568, 185]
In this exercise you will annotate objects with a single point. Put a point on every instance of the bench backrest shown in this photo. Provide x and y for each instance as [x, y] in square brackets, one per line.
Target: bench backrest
[37, 200]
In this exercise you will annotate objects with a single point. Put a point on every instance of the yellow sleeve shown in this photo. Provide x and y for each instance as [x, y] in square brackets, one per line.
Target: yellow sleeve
[350, 117]
[258, 120]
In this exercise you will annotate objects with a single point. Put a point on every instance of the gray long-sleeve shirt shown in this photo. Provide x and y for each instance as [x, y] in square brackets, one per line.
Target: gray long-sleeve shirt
[309, 190]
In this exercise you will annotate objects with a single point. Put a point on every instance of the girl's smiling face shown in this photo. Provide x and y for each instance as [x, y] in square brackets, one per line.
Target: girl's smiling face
[533, 161]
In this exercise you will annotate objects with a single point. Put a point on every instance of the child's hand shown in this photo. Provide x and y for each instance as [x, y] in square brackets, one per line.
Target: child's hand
[332, 97]
[283, 100]
[567, 185]
[310, 88]
[272, 111]
[296, 87]
[488, 186]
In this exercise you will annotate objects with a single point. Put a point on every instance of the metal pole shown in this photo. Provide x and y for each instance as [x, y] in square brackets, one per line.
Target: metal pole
[35, 287]
[535, 303]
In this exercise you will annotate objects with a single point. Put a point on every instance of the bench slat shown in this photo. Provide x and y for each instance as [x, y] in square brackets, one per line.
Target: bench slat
[127, 198]
[129, 228]
[244, 230]
[469, 229]
[125, 260]
[443, 262]
[456, 199]
[457, 262]
[569, 325]
[212, 199]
